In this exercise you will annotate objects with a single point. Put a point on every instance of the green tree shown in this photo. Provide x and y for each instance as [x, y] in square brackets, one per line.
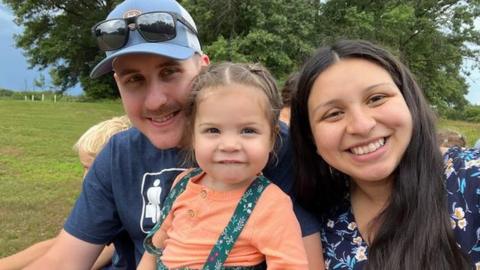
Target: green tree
[432, 37]
[40, 82]
[57, 36]
[276, 33]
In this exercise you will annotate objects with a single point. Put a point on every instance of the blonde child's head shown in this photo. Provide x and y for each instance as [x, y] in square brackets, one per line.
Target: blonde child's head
[225, 74]
[95, 138]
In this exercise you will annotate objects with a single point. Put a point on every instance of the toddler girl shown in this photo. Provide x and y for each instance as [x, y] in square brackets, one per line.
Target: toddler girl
[225, 214]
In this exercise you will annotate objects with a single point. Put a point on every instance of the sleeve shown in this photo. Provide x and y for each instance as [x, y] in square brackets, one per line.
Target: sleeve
[94, 218]
[276, 231]
[462, 172]
[280, 170]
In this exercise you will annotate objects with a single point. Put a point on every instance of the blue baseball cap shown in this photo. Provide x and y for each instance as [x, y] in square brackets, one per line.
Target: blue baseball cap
[182, 47]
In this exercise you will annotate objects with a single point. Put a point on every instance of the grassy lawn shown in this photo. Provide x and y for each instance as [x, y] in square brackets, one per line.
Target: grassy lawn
[40, 175]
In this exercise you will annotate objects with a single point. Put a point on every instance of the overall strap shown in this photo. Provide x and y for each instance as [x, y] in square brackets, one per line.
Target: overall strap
[227, 239]
[178, 189]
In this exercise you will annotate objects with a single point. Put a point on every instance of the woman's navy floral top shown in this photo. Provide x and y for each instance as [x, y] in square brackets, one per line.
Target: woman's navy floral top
[344, 247]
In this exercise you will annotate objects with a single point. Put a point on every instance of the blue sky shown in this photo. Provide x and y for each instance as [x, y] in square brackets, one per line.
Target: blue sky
[14, 71]
[15, 75]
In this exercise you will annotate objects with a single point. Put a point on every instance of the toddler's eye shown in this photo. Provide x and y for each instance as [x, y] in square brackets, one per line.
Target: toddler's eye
[249, 131]
[212, 130]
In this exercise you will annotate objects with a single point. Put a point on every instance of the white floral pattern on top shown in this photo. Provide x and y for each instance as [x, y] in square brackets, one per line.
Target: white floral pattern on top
[345, 249]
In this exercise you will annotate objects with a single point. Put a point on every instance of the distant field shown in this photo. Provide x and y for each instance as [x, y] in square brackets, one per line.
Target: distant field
[40, 175]
[471, 131]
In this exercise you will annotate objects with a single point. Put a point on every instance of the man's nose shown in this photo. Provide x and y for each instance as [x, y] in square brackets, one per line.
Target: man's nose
[156, 95]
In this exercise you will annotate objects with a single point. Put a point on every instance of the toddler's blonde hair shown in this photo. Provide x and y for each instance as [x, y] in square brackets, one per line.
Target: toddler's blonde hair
[95, 138]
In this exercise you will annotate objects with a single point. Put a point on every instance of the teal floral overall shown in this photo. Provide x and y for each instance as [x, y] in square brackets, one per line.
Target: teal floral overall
[227, 239]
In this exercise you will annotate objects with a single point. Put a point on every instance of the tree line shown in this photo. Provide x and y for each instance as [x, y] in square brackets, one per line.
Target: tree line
[432, 37]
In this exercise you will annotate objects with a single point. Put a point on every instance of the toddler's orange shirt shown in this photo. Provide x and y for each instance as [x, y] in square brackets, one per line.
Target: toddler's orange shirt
[199, 215]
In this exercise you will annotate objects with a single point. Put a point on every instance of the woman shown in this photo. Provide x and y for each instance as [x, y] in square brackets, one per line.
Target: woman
[368, 164]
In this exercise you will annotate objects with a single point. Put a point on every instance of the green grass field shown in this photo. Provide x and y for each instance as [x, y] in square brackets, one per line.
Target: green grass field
[40, 175]
[471, 131]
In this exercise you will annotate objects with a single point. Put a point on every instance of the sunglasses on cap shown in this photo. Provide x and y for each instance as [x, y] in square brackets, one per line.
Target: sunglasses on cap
[154, 26]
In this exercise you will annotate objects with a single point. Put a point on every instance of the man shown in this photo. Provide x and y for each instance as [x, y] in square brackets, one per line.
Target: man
[153, 49]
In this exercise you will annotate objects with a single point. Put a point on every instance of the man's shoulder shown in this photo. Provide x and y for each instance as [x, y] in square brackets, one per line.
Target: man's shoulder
[134, 140]
[133, 147]
[131, 135]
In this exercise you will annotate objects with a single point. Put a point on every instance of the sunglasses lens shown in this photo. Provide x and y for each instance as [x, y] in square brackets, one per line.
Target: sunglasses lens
[156, 27]
[111, 35]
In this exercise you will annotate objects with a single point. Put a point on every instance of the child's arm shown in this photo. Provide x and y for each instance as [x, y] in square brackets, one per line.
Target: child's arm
[148, 262]
[23, 258]
[277, 234]
[313, 248]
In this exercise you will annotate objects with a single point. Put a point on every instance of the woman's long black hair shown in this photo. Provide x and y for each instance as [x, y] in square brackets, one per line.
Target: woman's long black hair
[414, 230]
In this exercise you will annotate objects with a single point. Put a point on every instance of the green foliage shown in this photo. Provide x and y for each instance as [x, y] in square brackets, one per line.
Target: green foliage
[6, 93]
[37, 96]
[40, 175]
[470, 113]
[100, 88]
[431, 37]
[278, 34]
[40, 82]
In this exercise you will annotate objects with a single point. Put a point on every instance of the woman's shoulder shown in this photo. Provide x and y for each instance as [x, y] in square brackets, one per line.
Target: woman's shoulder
[462, 172]
[337, 220]
[462, 161]
[462, 176]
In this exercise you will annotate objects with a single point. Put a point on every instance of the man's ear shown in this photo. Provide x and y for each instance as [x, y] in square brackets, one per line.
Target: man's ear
[115, 77]
[205, 59]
